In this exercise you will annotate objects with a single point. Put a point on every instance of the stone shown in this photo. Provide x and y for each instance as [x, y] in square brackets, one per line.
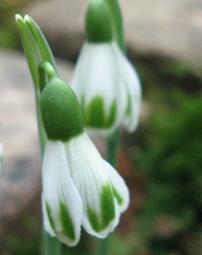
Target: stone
[166, 28]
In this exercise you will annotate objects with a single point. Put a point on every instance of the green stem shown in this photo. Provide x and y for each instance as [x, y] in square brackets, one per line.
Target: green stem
[41, 131]
[46, 73]
[50, 245]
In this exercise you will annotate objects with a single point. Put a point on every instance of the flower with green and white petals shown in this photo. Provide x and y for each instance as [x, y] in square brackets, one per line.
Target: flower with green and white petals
[80, 189]
[107, 85]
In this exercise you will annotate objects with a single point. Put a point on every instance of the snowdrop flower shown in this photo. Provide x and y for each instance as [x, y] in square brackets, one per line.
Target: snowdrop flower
[1, 157]
[104, 80]
[79, 187]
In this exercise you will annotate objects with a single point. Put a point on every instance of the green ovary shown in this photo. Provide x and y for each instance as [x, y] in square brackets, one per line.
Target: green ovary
[95, 115]
[100, 222]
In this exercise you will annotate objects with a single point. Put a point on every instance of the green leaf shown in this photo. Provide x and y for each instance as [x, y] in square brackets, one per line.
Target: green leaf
[30, 48]
[40, 40]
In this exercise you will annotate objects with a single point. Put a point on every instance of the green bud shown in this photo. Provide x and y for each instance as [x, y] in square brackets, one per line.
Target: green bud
[98, 22]
[61, 112]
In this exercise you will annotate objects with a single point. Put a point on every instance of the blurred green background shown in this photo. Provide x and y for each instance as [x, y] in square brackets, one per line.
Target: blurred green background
[162, 162]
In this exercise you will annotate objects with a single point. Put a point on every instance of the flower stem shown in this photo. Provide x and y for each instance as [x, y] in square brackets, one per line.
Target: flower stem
[51, 246]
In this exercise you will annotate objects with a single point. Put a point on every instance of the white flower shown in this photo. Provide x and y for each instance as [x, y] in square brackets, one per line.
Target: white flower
[80, 188]
[108, 88]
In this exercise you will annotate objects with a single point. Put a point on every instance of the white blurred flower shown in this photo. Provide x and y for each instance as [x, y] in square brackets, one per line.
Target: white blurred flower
[104, 80]
[108, 88]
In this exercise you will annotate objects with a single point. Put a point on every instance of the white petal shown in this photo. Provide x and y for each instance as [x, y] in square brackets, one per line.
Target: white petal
[119, 187]
[132, 84]
[97, 75]
[101, 214]
[62, 201]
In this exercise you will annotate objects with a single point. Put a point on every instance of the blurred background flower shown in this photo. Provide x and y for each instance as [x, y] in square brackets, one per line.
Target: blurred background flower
[161, 162]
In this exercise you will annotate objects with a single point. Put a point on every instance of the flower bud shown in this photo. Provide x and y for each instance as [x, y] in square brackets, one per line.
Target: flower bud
[60, 109]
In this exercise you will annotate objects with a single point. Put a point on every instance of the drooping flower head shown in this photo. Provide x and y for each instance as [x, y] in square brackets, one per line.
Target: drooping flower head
[79, 187]
[105, 82]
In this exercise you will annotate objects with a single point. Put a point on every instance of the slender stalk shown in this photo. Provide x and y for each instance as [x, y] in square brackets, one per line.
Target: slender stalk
[50, 245]
[36, 50]
[46, 72]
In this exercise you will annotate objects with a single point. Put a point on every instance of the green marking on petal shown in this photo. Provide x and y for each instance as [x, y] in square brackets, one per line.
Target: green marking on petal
[95, 116]
[94, 219]
[50, 217]
[107, 205]
[99, 222]
[66, 222]
[94, 113]
[118, 197]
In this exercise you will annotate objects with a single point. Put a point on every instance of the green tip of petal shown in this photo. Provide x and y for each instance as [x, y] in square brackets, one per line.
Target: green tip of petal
[107, 205]
[61, 112]
[100, 222]
[98, 22]
[66, 222]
